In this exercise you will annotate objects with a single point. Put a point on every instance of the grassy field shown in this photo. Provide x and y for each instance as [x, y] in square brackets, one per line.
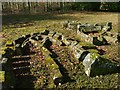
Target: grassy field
[13, 26]
[16, 25]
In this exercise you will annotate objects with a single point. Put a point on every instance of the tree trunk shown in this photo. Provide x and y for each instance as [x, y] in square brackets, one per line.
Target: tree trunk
[29, 6]
[46, 6]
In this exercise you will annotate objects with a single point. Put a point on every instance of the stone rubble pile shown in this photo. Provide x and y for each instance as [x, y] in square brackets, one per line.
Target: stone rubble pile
[83, 30]
[47, 38]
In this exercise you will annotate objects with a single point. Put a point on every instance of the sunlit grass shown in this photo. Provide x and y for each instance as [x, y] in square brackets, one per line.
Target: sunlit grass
[16, 26]
[2, 74]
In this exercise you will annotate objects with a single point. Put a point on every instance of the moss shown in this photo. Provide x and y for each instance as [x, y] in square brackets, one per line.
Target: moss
[2, 76]
[100, 38]
[86, 44]
[40, 82]
[9, 42]
[93, 50]
[93, 56]
[10, 32]
[49, 61]
[2, 52]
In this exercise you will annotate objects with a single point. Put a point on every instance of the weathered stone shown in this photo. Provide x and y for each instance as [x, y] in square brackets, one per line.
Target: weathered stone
[78, 28]
[88, 61]
[86, 38]
[111, 40]
[54, 41]
[24, 43]
[56, 35]
[70, 25]
[51, 34]
[72, 42]
[65, 42]
[33, 42]
[4, 60]
[95, 65]
[100, 41]
[104, 66]
[37, 37]
[88, 28]
[56, 38]
[107, 27]
[46, 32]
[77, 52]
[20, 40]
[52, 62]
[98, 28]
[65, 24]
[47, 43]
[43, 40]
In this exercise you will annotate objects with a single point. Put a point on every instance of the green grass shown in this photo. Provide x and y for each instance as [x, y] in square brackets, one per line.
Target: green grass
[16, 25]
[2, 76]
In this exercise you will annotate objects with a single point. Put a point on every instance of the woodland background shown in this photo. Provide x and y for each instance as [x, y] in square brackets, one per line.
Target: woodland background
[43, 7]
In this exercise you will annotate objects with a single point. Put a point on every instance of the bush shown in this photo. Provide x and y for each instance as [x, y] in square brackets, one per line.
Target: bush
[86, 6]
[111, 6]
[114, 6]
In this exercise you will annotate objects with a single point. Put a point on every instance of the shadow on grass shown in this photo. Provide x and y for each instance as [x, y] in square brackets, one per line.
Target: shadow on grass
[18, 69]
[21, 19]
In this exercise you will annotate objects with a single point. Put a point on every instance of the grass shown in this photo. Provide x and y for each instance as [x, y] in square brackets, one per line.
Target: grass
[2, 78]
[22, 24]
[16, 25]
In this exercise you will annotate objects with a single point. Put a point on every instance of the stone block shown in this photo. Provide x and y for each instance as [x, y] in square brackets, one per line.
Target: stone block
[96, 65]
